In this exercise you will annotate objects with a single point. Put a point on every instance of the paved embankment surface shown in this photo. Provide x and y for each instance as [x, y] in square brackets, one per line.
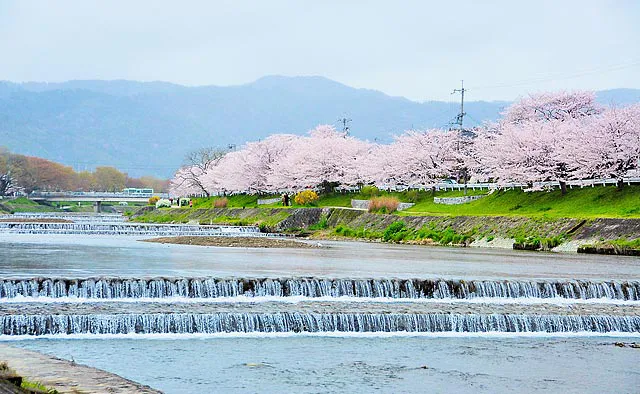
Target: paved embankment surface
[66, 376]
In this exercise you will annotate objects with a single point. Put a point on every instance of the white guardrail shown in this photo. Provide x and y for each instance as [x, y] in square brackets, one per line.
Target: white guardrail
[386, 187]
[509, 185]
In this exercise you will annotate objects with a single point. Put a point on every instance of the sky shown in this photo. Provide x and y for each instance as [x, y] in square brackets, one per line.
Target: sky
[417, 49]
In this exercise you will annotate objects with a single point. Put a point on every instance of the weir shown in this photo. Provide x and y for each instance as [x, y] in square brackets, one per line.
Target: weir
[35, 325]
[127, 229]
[113, 288]
[74, 217]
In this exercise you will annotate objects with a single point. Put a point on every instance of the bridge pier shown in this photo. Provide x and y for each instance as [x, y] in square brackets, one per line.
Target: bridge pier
[97, 207]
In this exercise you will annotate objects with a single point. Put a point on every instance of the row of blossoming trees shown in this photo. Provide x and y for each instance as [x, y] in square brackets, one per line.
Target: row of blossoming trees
[546, 137]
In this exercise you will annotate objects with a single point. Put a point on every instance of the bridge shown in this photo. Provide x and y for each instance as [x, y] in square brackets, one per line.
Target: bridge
[96, 197]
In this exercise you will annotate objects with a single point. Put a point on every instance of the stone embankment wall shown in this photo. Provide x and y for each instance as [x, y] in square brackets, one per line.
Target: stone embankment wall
[66, 376]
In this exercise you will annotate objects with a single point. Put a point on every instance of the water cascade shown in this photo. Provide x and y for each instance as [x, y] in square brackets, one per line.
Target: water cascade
[74, 217]
[310, 322]
[127, 229]
[114, 288]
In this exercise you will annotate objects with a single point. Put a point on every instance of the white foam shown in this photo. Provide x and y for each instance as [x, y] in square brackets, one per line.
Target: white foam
[298, 299]
[327, 334]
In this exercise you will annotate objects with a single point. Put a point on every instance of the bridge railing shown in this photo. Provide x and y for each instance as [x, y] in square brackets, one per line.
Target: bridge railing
[95, 195]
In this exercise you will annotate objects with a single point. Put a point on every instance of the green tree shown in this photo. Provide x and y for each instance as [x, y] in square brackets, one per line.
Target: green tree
[109, 179]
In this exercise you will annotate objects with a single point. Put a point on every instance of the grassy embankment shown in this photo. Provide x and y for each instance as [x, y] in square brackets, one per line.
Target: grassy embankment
[585, 203]
[539, 220]
[23, 204]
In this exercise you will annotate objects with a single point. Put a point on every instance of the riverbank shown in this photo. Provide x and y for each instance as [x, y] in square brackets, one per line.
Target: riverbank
[511, 232]
[66, 376]
[235, 242]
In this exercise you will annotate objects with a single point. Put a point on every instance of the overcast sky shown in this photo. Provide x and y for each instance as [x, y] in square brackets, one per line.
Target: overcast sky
[417, 49]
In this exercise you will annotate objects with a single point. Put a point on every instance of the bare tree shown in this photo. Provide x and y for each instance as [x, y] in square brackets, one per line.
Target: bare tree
[198, 163]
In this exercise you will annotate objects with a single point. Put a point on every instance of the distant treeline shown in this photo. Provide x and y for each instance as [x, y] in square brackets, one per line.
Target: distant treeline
[28, 174]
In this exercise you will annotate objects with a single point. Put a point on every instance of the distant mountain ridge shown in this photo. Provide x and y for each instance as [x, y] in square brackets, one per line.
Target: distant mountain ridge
[148, 127]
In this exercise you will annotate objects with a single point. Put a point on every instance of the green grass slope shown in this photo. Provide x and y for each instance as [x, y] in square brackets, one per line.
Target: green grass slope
[603, 202]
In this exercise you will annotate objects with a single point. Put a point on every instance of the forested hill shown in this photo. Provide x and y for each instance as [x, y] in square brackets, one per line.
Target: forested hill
[147, 128]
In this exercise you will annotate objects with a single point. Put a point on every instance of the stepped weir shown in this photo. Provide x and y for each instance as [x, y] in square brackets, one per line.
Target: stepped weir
[108, 228]
[114, 287]
[103, 305]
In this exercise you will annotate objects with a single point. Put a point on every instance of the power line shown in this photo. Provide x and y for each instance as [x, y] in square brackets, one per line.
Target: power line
[561, 76]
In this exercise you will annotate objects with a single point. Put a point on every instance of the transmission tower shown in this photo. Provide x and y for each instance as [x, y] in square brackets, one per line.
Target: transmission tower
[345, 124]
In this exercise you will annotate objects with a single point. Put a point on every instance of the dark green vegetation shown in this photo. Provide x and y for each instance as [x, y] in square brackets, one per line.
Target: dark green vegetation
[619, 246]
[398, 231]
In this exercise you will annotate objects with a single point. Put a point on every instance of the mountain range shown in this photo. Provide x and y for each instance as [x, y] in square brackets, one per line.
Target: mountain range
[147, 128]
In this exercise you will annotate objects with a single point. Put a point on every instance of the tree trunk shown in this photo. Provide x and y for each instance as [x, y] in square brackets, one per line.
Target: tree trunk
[563, 187]
[620, 184]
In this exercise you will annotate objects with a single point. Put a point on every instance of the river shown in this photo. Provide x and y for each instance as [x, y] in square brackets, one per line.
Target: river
[347, 317]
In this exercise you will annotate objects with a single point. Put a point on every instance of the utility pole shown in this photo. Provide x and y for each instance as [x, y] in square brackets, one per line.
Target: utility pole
[345, 121]
[460, 117]
[462, 172]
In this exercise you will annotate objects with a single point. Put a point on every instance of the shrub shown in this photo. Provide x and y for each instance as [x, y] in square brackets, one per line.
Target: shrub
[443, 237]
[322, 224]
[383, 204]
[370, 191]
[153, 200]
[306, 197]
[396, 231]
[221, 202]
[412, 196]
[163, 203]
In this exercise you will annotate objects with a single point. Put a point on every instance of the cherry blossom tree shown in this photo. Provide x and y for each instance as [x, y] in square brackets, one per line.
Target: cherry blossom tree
[530, 152]
[261, 159]
[552, 106]
[545, 137]
[535, 140]
[326, 157]
[609, 145]
[420, 157]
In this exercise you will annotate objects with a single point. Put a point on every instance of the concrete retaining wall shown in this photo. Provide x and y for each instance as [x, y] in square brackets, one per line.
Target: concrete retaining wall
[266, 201]
[455, 200]
[364, 204]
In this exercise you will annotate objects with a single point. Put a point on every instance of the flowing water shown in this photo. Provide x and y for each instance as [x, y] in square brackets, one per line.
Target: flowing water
[348, 317]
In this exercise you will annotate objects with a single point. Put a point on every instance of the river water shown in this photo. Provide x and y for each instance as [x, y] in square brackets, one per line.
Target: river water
[342, 318]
